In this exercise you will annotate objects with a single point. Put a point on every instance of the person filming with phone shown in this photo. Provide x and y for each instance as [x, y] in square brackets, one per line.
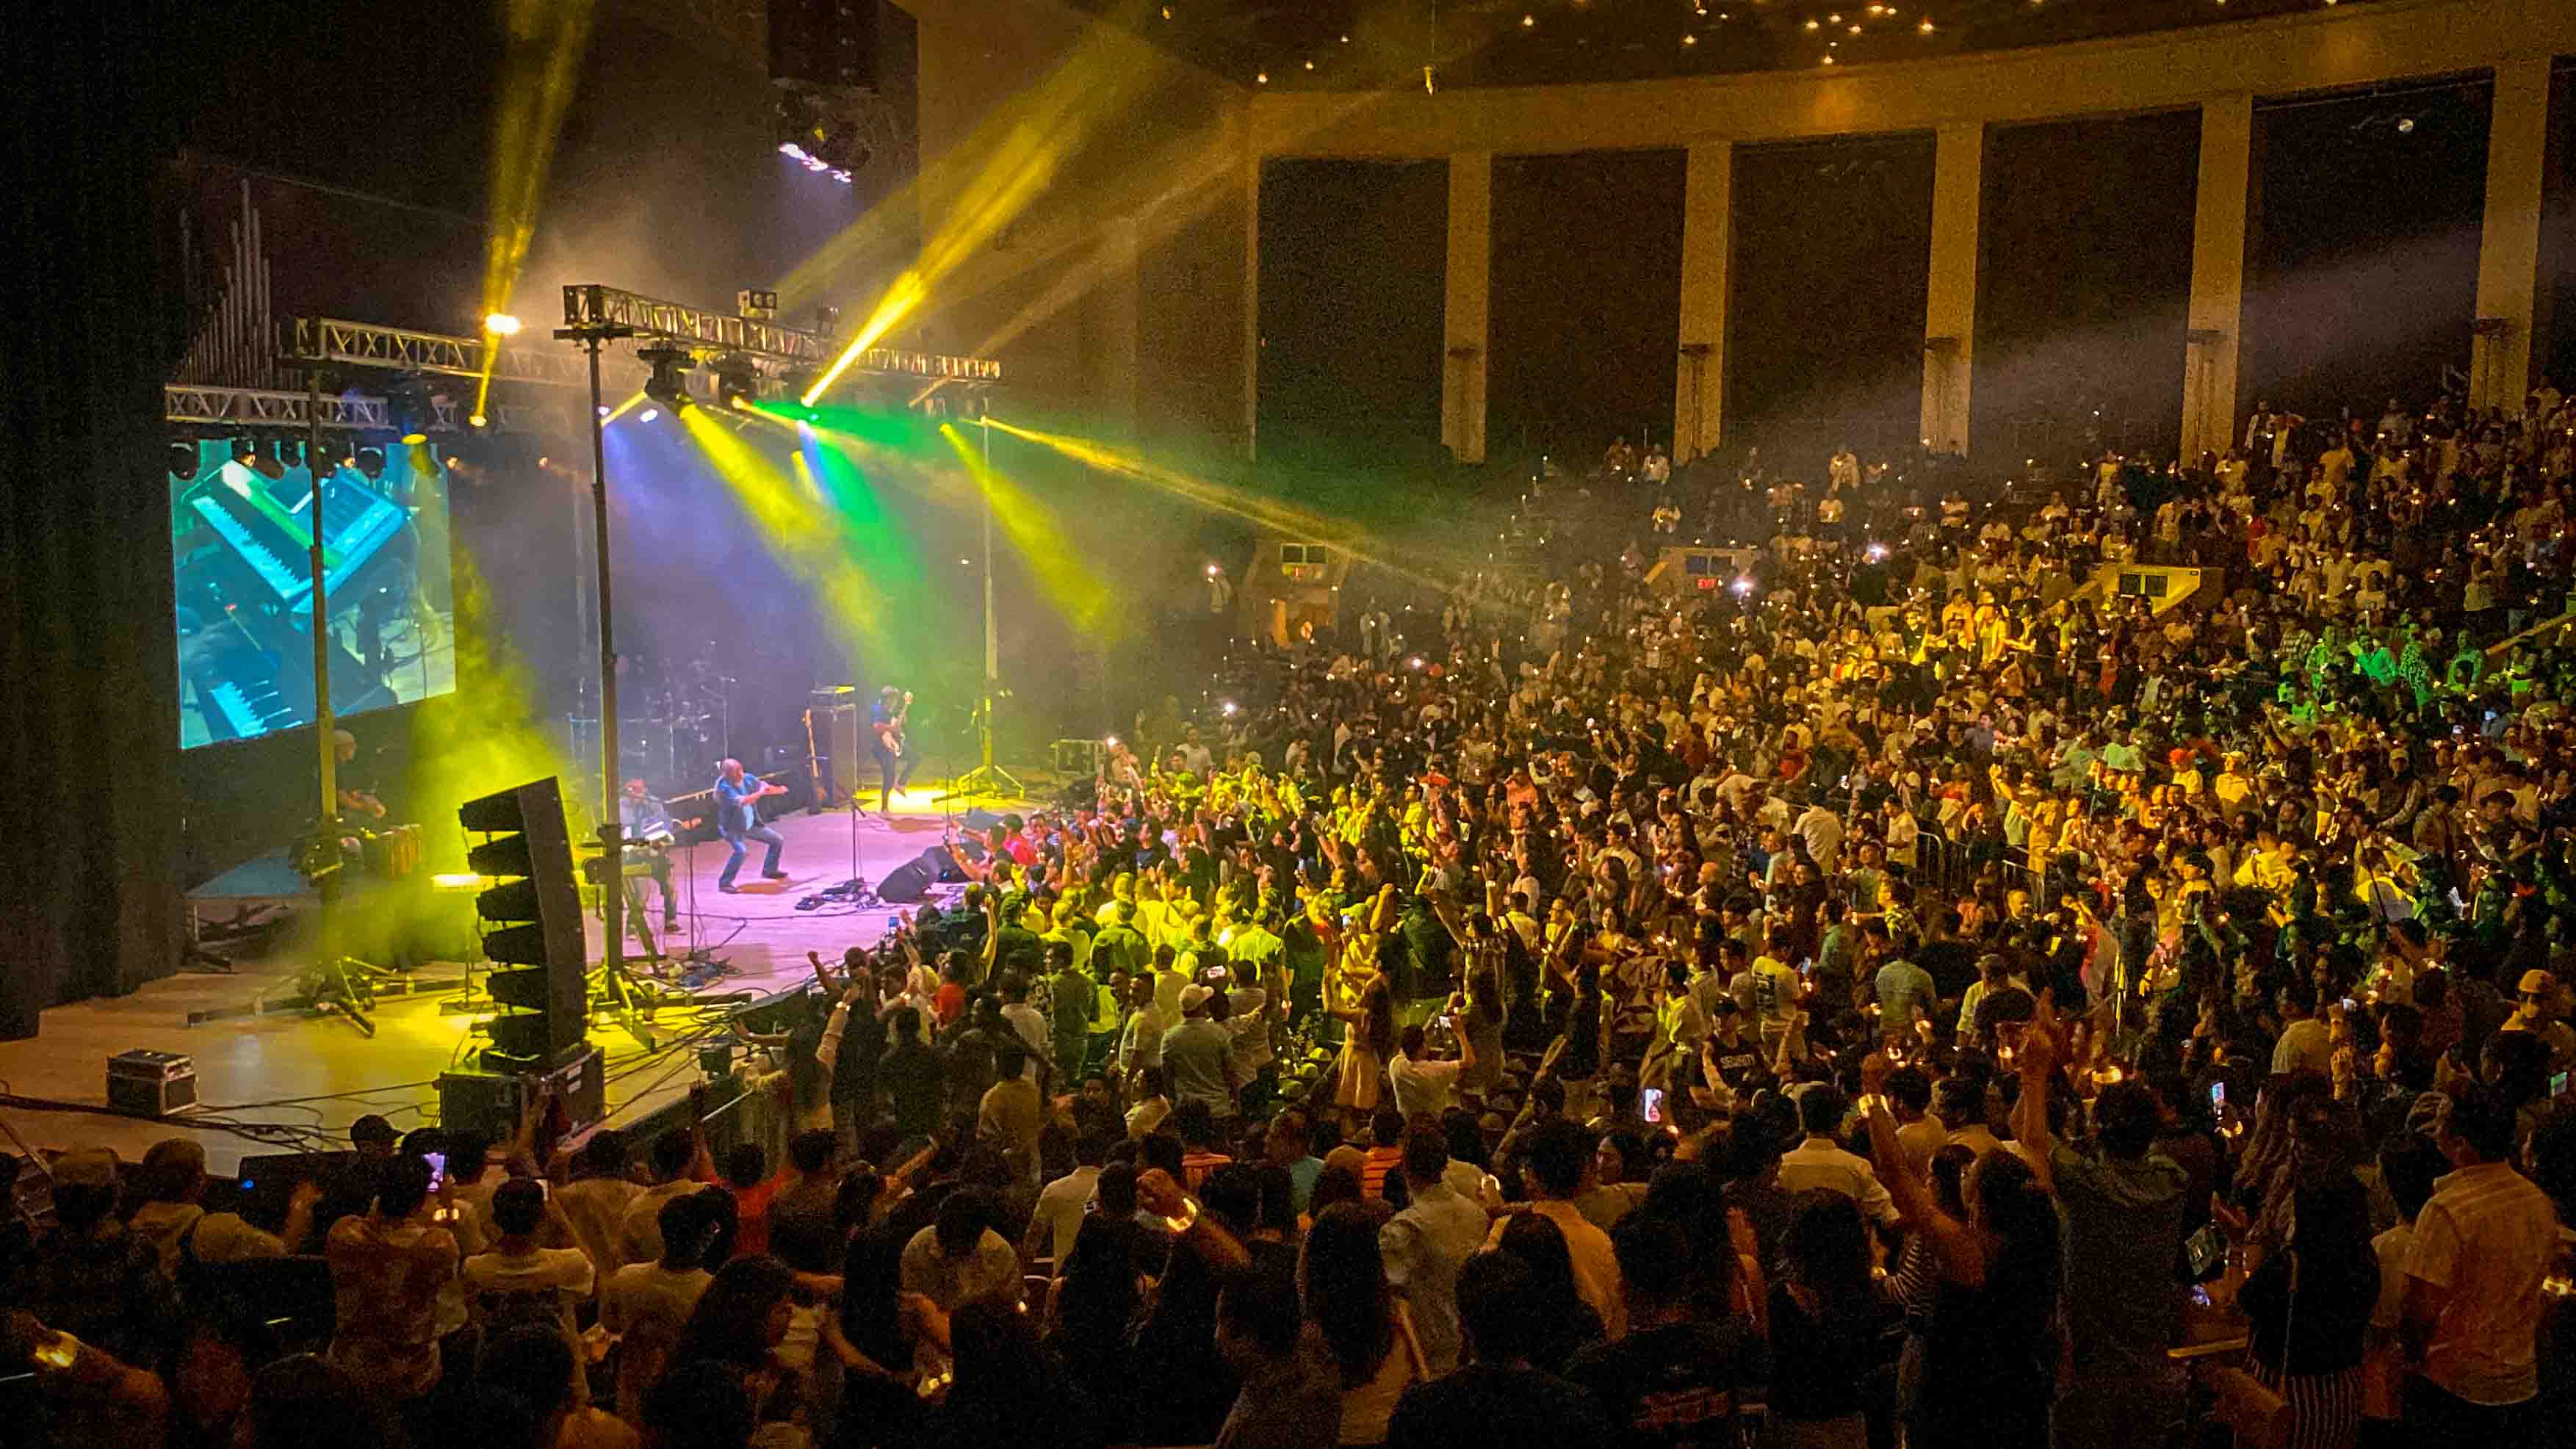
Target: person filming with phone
[1425, 1086]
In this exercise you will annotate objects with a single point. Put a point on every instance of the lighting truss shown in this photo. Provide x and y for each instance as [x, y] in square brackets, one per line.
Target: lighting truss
[329, 339]
[766, 342]
[345, 412]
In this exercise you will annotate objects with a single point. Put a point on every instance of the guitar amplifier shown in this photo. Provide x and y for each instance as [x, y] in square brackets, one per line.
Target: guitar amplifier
[151, 1084]
[832, 742]
[490, 1102]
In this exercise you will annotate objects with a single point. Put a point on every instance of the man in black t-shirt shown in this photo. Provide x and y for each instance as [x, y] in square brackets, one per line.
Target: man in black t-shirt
[1496, 1387]
[1671, 1382]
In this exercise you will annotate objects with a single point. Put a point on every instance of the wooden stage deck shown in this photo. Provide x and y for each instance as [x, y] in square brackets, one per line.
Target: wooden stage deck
[257, 1063]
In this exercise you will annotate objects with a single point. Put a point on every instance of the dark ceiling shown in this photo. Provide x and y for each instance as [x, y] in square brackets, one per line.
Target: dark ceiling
[1371, 44]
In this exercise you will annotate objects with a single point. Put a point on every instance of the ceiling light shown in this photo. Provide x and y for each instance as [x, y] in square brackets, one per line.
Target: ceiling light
[1346, 40]
[1261, 79]
[1829, 60]
[1855, 30]
[1310, 65]
[1528, 20]
[1833, 20]
[1926, 26]
[1811, 24]
[1690, 40]
[2405, 125]
[1167, 12]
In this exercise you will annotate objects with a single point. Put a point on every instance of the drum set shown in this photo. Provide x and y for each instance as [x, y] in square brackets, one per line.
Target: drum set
[672, 726]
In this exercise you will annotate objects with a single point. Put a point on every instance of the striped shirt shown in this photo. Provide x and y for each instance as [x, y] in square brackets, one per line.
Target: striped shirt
[2486, 1237]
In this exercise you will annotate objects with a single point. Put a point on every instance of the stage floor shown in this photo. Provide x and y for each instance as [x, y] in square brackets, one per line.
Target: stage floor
[318, 1072]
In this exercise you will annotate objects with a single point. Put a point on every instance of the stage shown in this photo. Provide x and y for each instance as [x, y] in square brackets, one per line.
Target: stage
[259, 1063]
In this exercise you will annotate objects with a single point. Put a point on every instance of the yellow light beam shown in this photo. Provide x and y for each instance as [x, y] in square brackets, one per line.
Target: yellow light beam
[1041, 539]
[541, 68]
[1263, 513]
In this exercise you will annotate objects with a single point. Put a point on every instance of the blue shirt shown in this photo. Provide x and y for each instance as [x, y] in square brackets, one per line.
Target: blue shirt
[735, 812]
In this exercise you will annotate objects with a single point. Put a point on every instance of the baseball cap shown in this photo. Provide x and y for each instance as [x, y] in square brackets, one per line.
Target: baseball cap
[372, 1128]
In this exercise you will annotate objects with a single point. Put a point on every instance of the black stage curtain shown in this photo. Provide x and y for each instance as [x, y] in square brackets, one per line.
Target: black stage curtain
[88, 667]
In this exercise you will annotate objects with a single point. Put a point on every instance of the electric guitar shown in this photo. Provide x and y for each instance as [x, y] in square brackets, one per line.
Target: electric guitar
[890, 733]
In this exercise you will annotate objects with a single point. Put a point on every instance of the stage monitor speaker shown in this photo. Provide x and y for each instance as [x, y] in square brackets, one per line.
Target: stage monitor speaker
[824, 42]
[912, 880]
[490, 1102]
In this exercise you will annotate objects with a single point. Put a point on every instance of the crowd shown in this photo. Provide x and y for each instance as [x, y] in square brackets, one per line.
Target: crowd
[2086, 966]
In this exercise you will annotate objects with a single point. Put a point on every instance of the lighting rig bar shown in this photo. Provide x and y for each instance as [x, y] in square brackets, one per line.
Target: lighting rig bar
[346, 412]
[716, 333]
[329, 339]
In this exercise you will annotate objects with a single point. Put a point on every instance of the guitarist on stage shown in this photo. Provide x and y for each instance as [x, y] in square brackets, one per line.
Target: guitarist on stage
[894, 762]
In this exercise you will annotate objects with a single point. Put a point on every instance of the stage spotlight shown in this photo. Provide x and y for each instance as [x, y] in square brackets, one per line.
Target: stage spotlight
[408, 407]
[371, 461]
[669, 384]
[648, 415]
[183, 461]
[737, 380]
[478, 421]
[501, 324]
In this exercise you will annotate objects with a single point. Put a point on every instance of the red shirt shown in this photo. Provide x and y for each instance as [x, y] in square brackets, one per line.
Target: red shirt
[751, 1211]
[950, 1003]
[1375, 1165]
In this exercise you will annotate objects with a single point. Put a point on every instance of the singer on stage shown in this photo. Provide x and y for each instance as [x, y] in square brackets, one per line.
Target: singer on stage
[894, 762]
[738, 798]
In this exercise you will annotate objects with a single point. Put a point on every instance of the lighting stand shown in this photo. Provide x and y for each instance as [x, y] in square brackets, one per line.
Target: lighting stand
[620, 989]
[988, 778]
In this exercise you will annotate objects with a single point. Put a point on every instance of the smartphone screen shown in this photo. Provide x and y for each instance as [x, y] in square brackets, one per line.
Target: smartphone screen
[437, 1168]
[2558, 1084]
[1650, 1103]
[2218, 1096]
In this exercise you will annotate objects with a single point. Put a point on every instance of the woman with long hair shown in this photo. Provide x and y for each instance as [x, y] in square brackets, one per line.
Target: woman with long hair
[2309, 1307]
[1341, 1278]
[1564, 1321]
[1094, 1306]
[1987, 1346]
[1361, 1073]
[739, 1322]
[1833, 1330]
[1008, 1389]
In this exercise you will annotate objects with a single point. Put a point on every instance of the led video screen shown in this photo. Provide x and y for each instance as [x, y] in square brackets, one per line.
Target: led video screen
[242, 521]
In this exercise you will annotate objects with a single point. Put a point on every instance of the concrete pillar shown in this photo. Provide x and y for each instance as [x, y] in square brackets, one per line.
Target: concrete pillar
[1950, 311]
[1120, 301]
[2220, 222]
[2509, 241]
[1699, 396]
[1471, 253]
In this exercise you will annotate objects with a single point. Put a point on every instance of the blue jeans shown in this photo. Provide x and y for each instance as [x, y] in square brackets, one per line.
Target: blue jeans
[761, 833]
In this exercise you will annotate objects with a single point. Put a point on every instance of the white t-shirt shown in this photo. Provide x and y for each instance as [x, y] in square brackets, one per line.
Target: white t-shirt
[1060, 1207]
[547, 1281]
[1421, 1086]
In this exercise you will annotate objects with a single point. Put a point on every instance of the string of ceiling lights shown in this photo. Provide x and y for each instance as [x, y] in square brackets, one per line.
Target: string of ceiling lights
[1315, 57]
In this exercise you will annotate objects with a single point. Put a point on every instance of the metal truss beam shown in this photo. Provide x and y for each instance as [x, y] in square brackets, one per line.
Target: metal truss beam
[243, 407]
[592, 305]
[366, 345]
